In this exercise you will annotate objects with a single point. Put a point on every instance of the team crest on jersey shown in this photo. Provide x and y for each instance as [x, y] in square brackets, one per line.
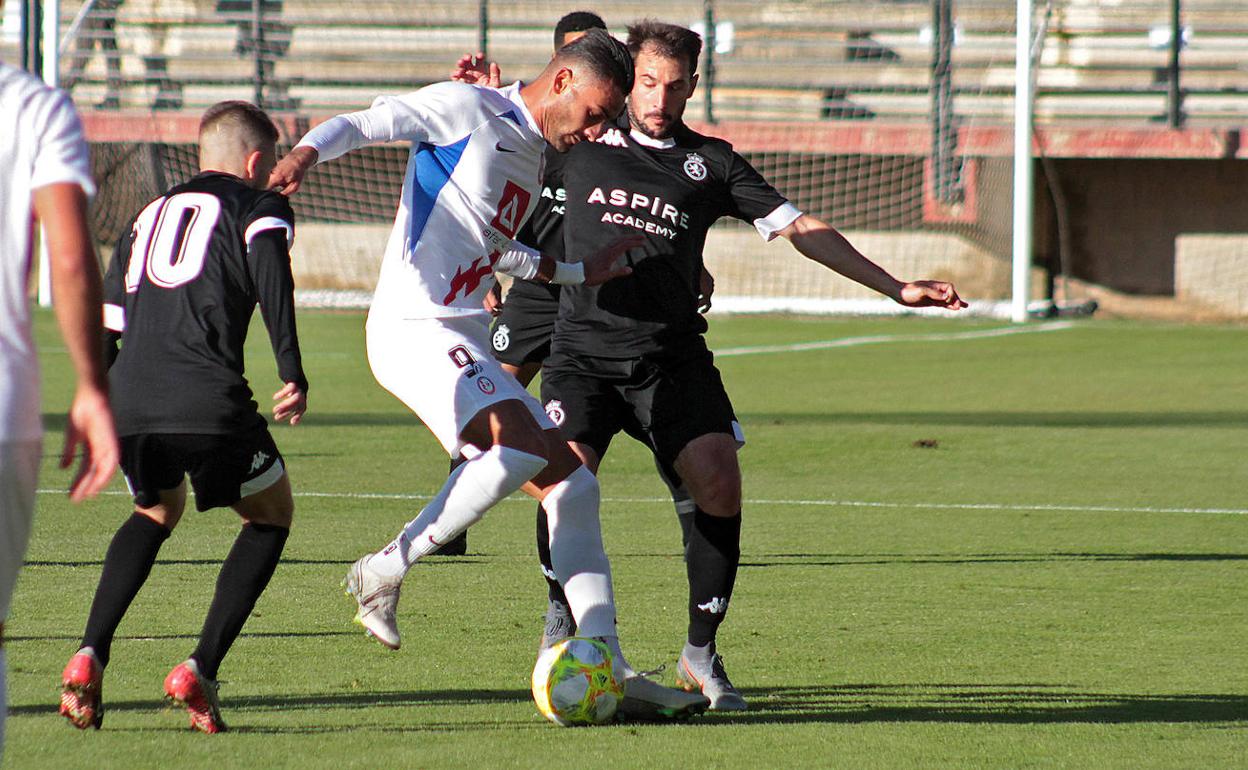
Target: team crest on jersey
[612, 137]
[501, 338]
[695, 167]
[486, 385]
[554, 410]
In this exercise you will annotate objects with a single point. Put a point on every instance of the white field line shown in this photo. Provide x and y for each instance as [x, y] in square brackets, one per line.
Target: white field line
[1057, 508]
[877, 339]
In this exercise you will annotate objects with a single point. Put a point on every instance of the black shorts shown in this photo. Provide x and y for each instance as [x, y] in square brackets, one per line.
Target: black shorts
[663, 401]
[224, 468]
[522, 331]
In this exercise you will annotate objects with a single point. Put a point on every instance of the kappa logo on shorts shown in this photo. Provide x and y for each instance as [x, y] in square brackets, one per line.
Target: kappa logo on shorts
[695, 166]
[554, 410]
[502, 337]
[257, 462]
[486, 385]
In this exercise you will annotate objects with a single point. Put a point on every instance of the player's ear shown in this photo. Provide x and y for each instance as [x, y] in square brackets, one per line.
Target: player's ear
[693, 84]
[252, 164]
[562, 81]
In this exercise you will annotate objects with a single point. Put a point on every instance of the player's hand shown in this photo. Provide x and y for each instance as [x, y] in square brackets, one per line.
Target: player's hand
[706, 287]
[493, 301]
[288, 174]
[931, 294]
[606, 265]
[291, 404]
[90, 424]
[474, 70]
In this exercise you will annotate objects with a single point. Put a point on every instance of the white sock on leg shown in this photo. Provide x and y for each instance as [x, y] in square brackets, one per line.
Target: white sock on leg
[471, 490]
[580, 563]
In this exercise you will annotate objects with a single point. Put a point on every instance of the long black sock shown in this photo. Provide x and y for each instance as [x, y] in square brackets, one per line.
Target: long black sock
[243, 577]
[553, 590]
[127, 563]
[711, 560]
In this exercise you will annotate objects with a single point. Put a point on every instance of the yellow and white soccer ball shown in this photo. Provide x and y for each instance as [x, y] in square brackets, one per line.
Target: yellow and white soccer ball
[574, 683]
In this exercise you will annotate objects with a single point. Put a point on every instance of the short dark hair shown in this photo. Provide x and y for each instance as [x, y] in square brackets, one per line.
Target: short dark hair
[603, 55]
[667, 40]
[252, 124]
[577, 21]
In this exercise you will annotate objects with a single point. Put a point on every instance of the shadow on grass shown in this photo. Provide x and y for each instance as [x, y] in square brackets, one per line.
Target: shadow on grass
[851, 560]
[997, 419]
[1025, 703]
[346, 562]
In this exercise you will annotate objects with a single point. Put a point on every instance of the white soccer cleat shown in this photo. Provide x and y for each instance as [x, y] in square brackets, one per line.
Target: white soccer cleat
[710, 678]
[648, 700]
[378, 598]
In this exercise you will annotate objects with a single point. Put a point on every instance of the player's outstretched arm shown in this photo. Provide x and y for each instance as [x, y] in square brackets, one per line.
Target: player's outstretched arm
[474, 70]
[822, 243]
[77, 300]
[606, 265]
[289, 172]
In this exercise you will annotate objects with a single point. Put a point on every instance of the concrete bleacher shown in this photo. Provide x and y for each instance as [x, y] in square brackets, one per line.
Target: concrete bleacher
[791, 61]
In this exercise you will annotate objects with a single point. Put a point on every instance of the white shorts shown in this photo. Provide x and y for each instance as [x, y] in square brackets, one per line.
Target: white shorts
[443, 369]
[19, 471]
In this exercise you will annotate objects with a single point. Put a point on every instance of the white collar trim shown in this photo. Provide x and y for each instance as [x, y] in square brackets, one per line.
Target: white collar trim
[647, 141]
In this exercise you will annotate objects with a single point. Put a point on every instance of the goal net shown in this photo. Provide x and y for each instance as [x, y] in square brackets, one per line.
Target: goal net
[890, 119]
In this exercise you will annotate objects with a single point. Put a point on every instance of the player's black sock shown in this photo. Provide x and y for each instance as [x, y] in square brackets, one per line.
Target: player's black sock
[127, 563]
[711, 561]
[553, 590]
[243, 578]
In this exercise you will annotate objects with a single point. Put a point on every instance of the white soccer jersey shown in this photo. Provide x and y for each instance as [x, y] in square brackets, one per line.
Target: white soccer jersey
[471, 181]
[41, 143]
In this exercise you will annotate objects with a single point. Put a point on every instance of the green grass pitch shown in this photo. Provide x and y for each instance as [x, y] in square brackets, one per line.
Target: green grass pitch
[1027, 550]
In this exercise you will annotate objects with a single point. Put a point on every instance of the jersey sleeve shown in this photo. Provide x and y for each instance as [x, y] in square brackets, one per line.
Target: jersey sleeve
[420, 116]
[269, 231]
[62, 155]
[754, 200]
[115, 298]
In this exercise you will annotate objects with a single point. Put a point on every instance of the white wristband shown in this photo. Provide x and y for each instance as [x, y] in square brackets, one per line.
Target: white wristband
[568, 273]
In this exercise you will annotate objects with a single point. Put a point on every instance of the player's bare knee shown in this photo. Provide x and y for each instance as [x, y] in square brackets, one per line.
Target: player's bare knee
[562, 462]
[273, 505]
[720, 496]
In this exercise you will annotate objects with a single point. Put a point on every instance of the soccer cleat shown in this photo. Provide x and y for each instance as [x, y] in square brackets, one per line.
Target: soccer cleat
[82, 684]
[559, 624]
[186, 687]
[456, 546]
[647, 700]
[378, 598]
[710, 678]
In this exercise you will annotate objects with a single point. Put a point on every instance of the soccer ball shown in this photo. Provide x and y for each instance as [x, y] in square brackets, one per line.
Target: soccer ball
[574, 684]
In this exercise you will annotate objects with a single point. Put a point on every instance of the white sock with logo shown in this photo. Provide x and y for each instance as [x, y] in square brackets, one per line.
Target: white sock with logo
[577, 555]
[471, 490]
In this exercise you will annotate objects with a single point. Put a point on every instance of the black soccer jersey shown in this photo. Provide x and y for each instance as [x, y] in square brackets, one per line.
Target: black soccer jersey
[544, 231]
[179, 295]
[671, 195]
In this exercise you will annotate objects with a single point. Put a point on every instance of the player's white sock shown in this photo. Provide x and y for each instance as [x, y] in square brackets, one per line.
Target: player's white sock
[577, 555]
[471, 490]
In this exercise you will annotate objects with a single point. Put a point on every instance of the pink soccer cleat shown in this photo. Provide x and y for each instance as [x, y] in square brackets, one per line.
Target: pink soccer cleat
[186, 687]
[81, 686]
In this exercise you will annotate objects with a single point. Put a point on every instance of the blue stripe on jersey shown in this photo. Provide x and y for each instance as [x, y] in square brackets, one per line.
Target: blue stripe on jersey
[512, 116]
[434, 166]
